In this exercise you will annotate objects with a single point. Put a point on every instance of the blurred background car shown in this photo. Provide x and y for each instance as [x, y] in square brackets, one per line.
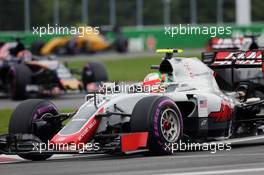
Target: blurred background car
[23, 75]
[82, 43]
[134, 28]
[142, 26]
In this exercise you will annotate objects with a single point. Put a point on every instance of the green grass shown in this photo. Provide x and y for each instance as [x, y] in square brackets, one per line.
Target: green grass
[124, 69]
[5, 115]
[4, 119]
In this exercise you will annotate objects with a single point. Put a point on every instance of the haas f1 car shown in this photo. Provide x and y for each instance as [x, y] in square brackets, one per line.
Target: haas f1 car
[237, 69]
[23, 74]
[185, 105]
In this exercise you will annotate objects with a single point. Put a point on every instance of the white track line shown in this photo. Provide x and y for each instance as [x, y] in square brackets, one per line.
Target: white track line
[10, 159]
[221, 171]
[15, 158]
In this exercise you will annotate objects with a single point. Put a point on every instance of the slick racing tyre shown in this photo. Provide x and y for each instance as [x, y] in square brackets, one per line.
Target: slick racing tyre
[23, 121]
[94, 72]
[161, 118]
[60, 50]
[37, 46]
[71, 47]
[121, 44]
[20, 77]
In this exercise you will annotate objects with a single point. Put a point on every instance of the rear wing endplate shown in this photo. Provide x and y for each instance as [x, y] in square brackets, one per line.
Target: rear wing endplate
[234, 59]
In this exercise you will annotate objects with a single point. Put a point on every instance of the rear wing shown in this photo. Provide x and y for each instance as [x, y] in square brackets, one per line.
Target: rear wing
[217, 44]
[224, 43]
[234, 59]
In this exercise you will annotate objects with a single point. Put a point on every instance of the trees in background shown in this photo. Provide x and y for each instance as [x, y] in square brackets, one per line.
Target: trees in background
[41, 12]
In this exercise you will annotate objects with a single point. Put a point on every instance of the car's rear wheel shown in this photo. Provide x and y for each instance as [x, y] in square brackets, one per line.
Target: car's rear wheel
[161, 118]
[23, 121]
[20, 77]
[94, 72]
[71, 47]
[121, 44]
[37, 46]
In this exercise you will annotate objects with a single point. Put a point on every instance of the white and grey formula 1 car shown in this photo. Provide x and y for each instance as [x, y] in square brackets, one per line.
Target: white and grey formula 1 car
[186, 106]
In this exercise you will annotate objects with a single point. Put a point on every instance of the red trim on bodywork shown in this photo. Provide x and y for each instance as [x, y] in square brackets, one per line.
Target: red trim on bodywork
[151, 82]
[134, 141]
[224, 114]
[83, 135]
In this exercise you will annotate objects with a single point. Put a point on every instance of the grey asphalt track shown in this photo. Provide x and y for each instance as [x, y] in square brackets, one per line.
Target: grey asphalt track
[69, 101]
[243, 161]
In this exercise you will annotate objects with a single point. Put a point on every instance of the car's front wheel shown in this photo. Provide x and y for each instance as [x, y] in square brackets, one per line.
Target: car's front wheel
[161, 118]
[23, 121]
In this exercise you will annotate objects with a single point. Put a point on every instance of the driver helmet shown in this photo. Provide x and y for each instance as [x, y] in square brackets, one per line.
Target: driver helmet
[156, 78]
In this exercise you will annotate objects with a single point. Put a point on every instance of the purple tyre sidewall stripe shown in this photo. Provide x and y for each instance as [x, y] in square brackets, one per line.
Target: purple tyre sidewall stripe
[42, 110]
[156, 120]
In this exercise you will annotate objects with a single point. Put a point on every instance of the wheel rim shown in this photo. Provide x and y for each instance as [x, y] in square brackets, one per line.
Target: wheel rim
[170, 125]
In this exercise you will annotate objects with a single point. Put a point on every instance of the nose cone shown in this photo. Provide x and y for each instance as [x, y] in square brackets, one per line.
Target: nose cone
[84, 135]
